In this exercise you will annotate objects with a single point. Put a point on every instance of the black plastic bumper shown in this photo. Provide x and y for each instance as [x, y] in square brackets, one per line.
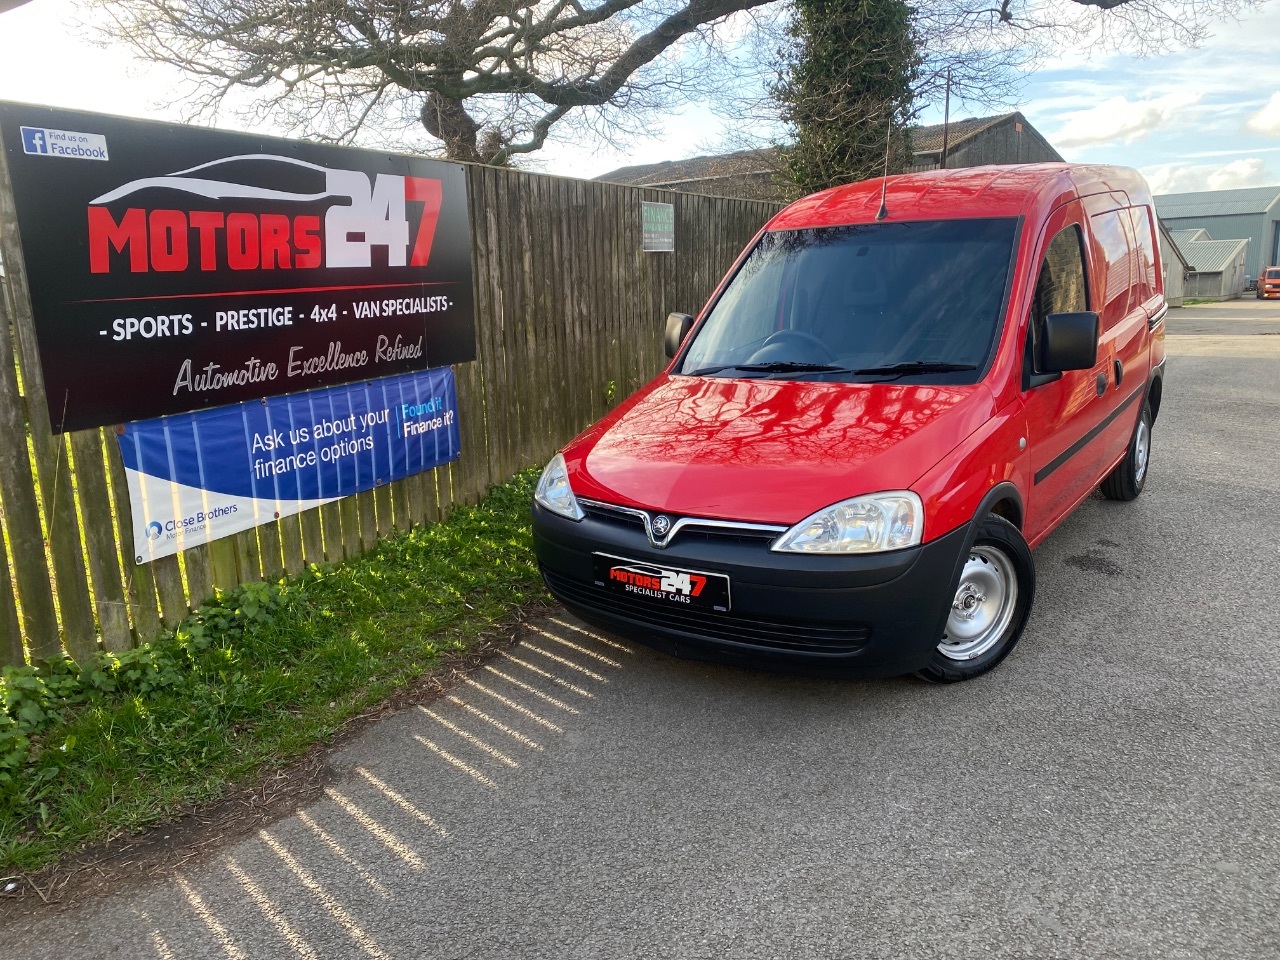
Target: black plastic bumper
[864, 616]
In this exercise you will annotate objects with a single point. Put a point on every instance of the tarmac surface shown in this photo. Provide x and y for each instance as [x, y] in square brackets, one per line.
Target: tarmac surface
[1244, 317]
[1112, 790]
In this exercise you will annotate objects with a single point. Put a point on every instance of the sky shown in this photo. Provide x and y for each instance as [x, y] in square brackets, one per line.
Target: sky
[1207, 118]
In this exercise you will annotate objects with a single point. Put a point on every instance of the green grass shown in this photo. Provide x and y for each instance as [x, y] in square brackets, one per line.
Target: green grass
[251, 680]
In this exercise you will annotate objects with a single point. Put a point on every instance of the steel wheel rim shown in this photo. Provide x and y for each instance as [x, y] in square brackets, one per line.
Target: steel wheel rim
[984, 604]
[1141, 450]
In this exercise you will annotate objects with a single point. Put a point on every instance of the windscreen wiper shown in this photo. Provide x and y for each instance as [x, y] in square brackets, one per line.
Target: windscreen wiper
[917, 366]
[774, 366]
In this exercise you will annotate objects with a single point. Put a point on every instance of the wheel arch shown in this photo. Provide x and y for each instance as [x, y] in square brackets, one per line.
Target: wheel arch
[1155, 392]
[1004, 500]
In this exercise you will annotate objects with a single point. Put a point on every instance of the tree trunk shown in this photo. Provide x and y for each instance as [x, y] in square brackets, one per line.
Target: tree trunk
[448, 121]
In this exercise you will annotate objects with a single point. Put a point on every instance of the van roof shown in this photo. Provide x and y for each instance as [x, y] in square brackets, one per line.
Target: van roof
[1031, 189]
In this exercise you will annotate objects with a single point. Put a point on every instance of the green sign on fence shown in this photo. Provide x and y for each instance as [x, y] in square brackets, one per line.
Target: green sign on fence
[659, 227]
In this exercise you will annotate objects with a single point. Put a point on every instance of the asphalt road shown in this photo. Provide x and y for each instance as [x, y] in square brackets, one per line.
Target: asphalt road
[1243, 317]
[1113, 790]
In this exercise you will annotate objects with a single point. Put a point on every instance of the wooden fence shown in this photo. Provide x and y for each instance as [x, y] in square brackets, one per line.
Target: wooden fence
[569, 318]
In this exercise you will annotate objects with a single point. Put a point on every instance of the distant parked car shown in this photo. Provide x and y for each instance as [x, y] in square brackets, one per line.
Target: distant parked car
[1269, 284]
[845, 466]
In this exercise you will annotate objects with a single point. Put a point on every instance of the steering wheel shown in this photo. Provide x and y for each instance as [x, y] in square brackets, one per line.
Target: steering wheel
[799, 336]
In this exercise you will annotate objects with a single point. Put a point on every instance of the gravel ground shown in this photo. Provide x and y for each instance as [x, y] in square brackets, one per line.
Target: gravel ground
[1113, 790]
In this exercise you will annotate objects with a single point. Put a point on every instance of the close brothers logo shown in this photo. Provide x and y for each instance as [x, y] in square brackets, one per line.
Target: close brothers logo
[396, 212]
[658, 583]
[154, 530]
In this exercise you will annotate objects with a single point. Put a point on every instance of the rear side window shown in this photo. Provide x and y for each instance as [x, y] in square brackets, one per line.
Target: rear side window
[1060, 288]
[1145, 285]
[1112, 232]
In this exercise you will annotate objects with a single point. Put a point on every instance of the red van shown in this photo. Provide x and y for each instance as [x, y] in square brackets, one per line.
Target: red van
[900, 388]
[1269, 284]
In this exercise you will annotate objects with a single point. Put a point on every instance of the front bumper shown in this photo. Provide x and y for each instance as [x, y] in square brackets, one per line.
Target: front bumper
[864, 616]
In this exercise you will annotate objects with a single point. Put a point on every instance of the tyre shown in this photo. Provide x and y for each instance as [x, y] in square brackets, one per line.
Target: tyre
[1126, 481]
[992, 601]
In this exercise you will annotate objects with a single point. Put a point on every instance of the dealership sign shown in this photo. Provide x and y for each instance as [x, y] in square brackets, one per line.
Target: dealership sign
[196, 477]
[173, 268]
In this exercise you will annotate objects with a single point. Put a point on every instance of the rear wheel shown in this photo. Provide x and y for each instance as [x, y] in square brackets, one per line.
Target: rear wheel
[1126, 481]
[992, 601]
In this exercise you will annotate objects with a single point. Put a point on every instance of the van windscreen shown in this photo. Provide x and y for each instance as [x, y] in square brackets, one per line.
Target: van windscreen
[833, 302]
[1273, 273]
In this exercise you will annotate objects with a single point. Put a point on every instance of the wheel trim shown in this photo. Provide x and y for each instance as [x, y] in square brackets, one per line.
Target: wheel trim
[1141, 450]
[984, 605]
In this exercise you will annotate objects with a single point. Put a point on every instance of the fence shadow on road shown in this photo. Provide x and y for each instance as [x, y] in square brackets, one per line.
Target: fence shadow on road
[315, 885]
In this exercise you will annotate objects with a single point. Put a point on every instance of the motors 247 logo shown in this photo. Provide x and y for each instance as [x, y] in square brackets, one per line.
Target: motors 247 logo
[658, 583]
[398, 213]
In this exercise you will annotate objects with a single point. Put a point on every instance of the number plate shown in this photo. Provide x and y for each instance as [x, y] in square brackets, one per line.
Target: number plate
[662, 584]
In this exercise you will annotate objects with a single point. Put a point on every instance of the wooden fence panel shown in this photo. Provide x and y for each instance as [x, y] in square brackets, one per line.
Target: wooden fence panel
[199, 570]
[271, 551]
[22, 511]
[11, 652]
[291, 544]
[248, 556]
[100, 540]
[139, 578]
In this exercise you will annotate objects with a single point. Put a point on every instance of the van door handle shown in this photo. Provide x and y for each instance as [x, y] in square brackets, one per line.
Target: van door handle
[1119, 372]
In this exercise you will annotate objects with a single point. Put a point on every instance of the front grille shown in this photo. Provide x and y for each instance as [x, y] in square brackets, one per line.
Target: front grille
[781, 635]
[691, 529]
[612, 516]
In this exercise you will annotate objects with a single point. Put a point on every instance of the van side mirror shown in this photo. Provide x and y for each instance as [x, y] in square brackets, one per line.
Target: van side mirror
[1070, 342]
[678, 327]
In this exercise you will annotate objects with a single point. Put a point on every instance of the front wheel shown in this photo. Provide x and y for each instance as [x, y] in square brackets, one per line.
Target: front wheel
[1126, 481]
[992, 602]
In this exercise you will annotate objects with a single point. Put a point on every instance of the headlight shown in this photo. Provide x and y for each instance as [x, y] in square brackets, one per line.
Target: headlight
[871, 524]
[554, 491]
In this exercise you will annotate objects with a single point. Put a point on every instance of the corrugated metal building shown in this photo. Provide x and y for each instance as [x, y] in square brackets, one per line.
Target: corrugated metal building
[1215, 268]
[756, 174]
[1252, 212]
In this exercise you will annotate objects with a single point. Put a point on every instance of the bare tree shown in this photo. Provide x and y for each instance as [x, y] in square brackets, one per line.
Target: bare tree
[489, 79]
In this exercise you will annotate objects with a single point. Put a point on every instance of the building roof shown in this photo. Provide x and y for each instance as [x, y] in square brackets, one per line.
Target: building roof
[1218, 203]
[1211, 256]
[929, 139]
[1185, 236]
[741, 163]
[759, 162]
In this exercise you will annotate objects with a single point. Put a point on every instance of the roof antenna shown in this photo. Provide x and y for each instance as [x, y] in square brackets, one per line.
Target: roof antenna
[884, 181]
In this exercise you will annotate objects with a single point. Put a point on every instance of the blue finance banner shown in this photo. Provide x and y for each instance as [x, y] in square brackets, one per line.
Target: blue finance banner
[197, 477]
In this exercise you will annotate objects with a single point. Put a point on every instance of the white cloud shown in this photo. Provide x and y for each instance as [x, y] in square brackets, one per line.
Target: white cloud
[1174, 178]
[1123, 120]
[1267, 120]
[1190, 178]
[1250, 172]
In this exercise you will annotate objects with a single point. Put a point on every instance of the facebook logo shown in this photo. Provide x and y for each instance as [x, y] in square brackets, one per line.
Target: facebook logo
[43, 142]
[34, 140]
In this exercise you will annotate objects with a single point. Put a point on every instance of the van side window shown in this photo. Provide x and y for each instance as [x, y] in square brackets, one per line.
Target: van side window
[1060, 288]
[1145, 255]
[1113, 237]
